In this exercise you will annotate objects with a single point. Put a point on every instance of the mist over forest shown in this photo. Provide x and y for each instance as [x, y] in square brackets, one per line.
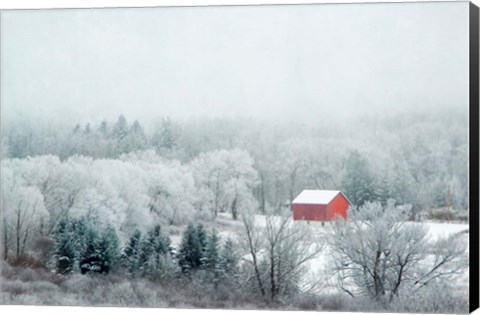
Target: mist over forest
[134, 187]
[420, 159]
[151, 157]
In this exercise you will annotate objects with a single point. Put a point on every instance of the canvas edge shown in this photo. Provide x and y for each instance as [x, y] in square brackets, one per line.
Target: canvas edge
[474, 155]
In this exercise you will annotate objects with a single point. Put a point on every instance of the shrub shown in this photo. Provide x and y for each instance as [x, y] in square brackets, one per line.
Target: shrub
[306, 302]
[28, 275]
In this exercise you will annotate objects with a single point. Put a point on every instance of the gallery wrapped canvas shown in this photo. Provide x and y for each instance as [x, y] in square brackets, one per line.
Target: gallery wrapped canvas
[286, 157]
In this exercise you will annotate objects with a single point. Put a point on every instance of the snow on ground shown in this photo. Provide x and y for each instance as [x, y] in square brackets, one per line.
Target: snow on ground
[320, 266]
[437, 229]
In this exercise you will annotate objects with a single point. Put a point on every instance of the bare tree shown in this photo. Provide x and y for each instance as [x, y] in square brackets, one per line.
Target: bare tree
[22, 208]
[378, 253]
[277, 254]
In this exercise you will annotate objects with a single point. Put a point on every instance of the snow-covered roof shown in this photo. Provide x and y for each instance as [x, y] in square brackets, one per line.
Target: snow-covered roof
[316, 197]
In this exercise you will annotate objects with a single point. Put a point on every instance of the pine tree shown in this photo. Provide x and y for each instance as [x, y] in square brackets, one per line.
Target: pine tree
[155, 249]
[401, 186]
[91, 259]
[384, 189]
[164, 138]
[109, 249]
[132, 254]
[136, 139]
[120, 129]
[103, 128]
[190, 252]
[137, 128]
[79, 229]
[64, 248]
[202, 237]
[229, 259]
[359, 182]
[211, 258]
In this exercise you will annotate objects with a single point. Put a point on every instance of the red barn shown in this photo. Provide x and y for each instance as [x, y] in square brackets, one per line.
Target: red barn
[320, 205]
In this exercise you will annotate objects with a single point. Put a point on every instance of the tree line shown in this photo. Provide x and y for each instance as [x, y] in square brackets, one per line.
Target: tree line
[107, 196]
[420, 159]
[79, 247]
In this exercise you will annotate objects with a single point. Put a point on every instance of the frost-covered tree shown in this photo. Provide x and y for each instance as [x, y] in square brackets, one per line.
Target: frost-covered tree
[202, 236]
[210, 262]
[110, 249]
[379, 254]
[136, 139]
[166, 136]
[64, 253]
[22, 210]
[229, 259]
[290, 167]
[59, 184]
[278, 254]
[164, 190]
[225, 179]
[359, 181]
[211, 257]
[91, 258]
[191, 248]
[132, 254]
[156, 254]
[103, 128]
[120, 128]
[80, 246]
[396, 183]
[79, 229]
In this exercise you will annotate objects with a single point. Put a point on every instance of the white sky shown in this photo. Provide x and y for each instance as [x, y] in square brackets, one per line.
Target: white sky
[304, 61]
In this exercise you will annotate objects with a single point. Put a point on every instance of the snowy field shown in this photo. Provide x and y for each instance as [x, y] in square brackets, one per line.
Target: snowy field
[320, 266]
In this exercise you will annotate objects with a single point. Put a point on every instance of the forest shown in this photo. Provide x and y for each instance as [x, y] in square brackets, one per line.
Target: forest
[151, 206]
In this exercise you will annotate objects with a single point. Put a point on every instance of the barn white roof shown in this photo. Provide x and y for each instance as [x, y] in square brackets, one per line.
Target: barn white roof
[316, 197]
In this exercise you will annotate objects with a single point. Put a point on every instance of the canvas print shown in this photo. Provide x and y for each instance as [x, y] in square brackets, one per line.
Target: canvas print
[286, 157]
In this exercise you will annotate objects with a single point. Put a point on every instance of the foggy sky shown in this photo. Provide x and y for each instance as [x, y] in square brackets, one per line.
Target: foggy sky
[304, 61]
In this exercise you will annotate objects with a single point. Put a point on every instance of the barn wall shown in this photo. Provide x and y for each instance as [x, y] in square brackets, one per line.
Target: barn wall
[338, 207]
[311, 212]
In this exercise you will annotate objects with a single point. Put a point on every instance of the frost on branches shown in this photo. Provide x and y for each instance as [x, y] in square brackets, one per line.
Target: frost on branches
[379, 254]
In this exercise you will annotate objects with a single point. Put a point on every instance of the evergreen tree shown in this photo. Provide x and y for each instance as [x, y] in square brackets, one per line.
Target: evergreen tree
[136, 139]
[359, 182]
[103, 128]
[109, 249]
[64, 248]
[120, 129]
[155, 251]
[211, 258]
[401, 186]
[91, 259]
[202, 237]
[79, 228]
[137, 128]
[190, 252]
[229, 259]
[384, 190]
[132, 254]
[164, 138]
